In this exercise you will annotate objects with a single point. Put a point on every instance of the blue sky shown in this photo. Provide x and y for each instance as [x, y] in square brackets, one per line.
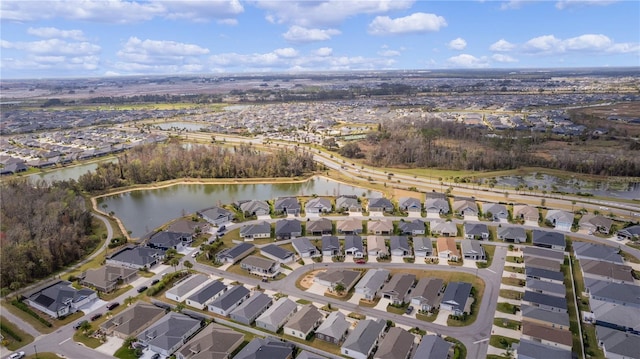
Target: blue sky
[74, 38]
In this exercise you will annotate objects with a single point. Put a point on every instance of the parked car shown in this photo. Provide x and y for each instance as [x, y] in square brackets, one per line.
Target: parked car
[142, 289]
[360, 261]
[78, 324]
[16, 355]
[155, 356]
[195, 254]
[112, 306]
[155, 281]
[96, 317]
[222, 229]
[409, 310]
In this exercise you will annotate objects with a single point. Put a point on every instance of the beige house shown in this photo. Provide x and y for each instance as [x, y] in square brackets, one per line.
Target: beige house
[108, 277]
[214, 341]
[133, 320]
[383, 226]
[376, 247]
[447, 249]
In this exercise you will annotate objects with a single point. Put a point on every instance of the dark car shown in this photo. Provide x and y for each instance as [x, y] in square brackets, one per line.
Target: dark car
[155, 356]
[112, 306]
[78, 324]
[96, 317]
[222, 229]
[142, 289]
[155, 281]
[409, 310]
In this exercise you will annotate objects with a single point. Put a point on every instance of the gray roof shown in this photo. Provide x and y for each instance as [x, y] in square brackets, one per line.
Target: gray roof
[305, 319]
[353, 241]
[347, 202]
[236, 251]
[319, 225]
[528, 349]
[549, 287]
[543, 273]
[278, 312]
[250, 308]
[318, 202]
[286, 202]
[494, 208]
[410, 227]
[165, 239]
[288, 226]
[208, 291]
[373, 279]
[610, 270]
[216, 213]
[406, 202]
[364, 336]
[187, 285]
[254, 205]
[308, 355]
[396, 344]
[169, 330]
[422, 243]
[471, 247]
[303, 245]
[432, 347]
[428, 289]
[230, 298]
[438, 203]
[456, 294]
[133, 318]
[255, 228]
[512, 232]
[258, 262]
[544, 315]
[399, 242]
[55, 296]
[277, 251]
[548, 238]
[597, 251]
[345, 276]
[267, 348]
[140, 256]
[632, 230]
[214, 342]
[334, 326]
[476, 229]
[543, 253]
[621, 315]
[596, 220]
[559, 216]
[380, 202]
[626, 293]
[330, 243]
[616, 342]
[399, 285]
[545, 299]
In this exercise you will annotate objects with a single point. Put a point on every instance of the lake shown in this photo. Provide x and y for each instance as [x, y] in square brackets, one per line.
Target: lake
[143, 211]
[67, 173]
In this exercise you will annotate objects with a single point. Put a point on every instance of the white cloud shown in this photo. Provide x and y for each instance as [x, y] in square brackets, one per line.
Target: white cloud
[53, 47]
[457, 44]
[564, 4]
[301, 34]
[134, 46]
[625, 47]
[159, 56]
[324, 51]
[287, 52]
[545, 43]
[113, 11]
[389, 53]
[589, 43]
[52, 32]
[503, 58]
[325, 12]
[468, 61]
[230, 22]
[514, 4]
[502, 45]
[203, 10]
[415, 23]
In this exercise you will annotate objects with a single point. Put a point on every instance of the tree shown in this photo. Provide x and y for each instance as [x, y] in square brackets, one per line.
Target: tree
[187, 264]
[85, 326]
[174, 263]
[339, 288]
[171, 253]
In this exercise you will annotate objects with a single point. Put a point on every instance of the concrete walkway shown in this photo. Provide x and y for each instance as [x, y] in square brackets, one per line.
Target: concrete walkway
[495, 351]
[510, 301]
[496, 330]
[508, 274]
[517, 316]
[512, 287]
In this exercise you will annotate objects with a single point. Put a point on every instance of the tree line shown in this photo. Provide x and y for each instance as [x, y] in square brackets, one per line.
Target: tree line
[44, 228]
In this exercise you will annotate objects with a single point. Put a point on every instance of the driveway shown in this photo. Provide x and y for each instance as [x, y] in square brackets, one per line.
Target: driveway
[414, 215]
[496, 330]
[443, 315]
[469, 263]
[112, 344]
[397, 259]
[317, 288]
[93, 306]
[382, 304]
[355, 298]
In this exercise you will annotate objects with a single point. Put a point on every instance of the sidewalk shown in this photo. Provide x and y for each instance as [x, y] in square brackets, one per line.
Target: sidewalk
[512, 287]
[517, 316]
[496, 330]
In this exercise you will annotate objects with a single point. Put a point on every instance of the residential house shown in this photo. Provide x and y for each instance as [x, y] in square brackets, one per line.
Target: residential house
[398, 287]
[447, 249]
[353, 246]
[553, 337]
[545, 301]
[331, 278]
[619, 293]
[216, 215]
[615, 316]
[108, 277]
[629, 233]
[476, 231]
[247, 312]
[214, 341]
[399, 246]
[288, 229]
[274, 318]
[422, 247]
[255, 208]
[412, 228]
[472, 250]
[277, 253]
[348, 203]
[498, 211]
[169, 333]
[545, 287]
[545, 317]
[349, 226]
[136, 257]
[410, 204]
[529, 349]
[526, 213]
[561, 220]
[513, 234]
[442, 228]
[433, 347]
[616, 344]
[334, 328]
[319, 227]
[592, 223]
[303, 322]
[465, 207]
[60, 299]
[165, 240]
[593, 270]
[253, 231]
[380, 227]
[599, 252]
[131, 321]
[456, 297]
[437, 205]
[330, 246]
[230, 300]
[547, 239]
[544, 275]
[287, 205]
[427, 294]
[267, 348]
[376, 247]
[318, 205]
[363, 339]
[304, 247]
[380, 205]
[542, 263]
[235, 253]
[371, 283]
[538, 252]
[260, 266]
[186, 287]
[186, 226]
[201, 298]
[396, 344]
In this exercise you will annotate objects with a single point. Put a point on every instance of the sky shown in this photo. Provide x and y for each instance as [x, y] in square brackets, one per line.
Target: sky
[96, 38]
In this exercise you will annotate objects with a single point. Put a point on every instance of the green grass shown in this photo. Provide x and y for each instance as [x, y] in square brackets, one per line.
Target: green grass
[629, 258]
[22, 338]
[506, 308]
[507, 323]
[115, 294]
[427, 318]
[303, 301]
[591, 342]
[514, 269]
[90, 342]
[489, 252]
[574, 320]
[396, 310]
[124, 352]
[513, 281]
[501, 342]
[510, 294]
[514, 259]
[45, 355]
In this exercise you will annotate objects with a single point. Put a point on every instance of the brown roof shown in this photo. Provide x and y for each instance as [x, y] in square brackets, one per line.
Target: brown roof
[543, 263]
[546, 333]
[447, 243]
[607, 269]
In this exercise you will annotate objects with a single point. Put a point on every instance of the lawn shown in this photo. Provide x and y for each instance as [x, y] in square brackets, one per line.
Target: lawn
[21, 338]
[514, 269]
[574, 320]
[45, 355]
[125, 352]
[501, 342]
[489, 252]
[513, 281]
[514, 259]
[507, 323]
[396, 310]
[427, 317]
[506, 308]
[510, 294]
[591, 342]
[88, 341]
[115, 294]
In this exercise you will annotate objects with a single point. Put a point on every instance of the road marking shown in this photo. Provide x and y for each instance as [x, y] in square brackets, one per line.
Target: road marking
[491, 271]
[476, 342]
[64, 341]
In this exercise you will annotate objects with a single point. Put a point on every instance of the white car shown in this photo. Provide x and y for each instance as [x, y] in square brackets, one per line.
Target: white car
[16, 355]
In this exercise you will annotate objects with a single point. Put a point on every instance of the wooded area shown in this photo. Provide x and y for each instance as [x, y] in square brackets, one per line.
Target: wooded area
[449, 145]
[44, 228]
[161, 162]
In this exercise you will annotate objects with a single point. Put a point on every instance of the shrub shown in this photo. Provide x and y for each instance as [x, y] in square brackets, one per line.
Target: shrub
[20, 305]
[10, 332]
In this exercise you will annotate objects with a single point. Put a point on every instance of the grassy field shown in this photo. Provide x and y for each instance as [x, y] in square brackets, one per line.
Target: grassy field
[574, 320]
[501, 342]
[23, 338]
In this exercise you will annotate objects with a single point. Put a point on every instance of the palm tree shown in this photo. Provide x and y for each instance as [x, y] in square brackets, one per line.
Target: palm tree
[174, 263]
